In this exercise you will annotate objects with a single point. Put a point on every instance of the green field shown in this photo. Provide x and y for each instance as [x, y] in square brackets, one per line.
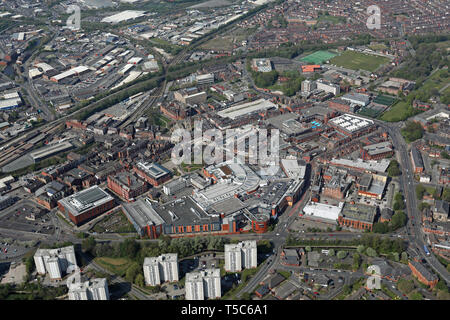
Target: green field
[359, 61]
[397, 112]
[318, 57]
[116, 265]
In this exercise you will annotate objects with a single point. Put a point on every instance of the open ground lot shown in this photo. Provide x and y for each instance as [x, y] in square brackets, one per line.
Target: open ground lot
[113, 222]
[359, 61]
[14, 218]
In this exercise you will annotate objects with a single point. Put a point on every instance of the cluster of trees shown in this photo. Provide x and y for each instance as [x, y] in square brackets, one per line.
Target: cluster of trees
[394, 169]
[427, 58]
[398, 220]
[420, 191]
[265, 79]
[380, 244]
[294, 83]
[412, 131]
[31, 291]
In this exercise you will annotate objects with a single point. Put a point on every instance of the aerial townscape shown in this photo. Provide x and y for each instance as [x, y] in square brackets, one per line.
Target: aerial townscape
[117, 182]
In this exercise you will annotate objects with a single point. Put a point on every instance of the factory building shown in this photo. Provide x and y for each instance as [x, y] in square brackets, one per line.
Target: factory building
[87, 204]
[377, 151]
[203, 285]
[357, 216]
[95, 289]
[55, 262]
[160, 269]
[240, 255]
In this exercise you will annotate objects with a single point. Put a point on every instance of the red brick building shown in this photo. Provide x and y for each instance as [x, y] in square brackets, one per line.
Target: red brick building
[422, 274]
[87, 204]
[126, 185]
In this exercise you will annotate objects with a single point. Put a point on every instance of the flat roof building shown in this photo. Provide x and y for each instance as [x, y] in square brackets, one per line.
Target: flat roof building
[357, 216]
[351, 125]
[203, 285]
[55, 262]
[95, 289]
[240, 255]
[50, 150]
[153, 173]
[87, 204]
[144, 218]
[323, 211]
[160, 269]
[247, 108]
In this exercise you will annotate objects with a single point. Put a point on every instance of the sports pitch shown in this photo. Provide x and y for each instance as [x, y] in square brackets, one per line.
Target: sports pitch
[359, 61]
[318, 57]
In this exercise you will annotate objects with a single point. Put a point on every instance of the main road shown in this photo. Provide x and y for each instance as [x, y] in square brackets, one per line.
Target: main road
[416, 237]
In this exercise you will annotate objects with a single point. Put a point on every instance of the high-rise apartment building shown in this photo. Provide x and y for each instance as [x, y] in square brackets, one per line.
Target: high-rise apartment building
[240, 255]
[203, 285]
[161, 269]
[95, 289]
[56, 262]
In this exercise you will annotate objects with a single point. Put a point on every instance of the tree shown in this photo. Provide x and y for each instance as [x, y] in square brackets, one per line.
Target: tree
[356, 261]
[415, 296]
[132, 272]
[442, 286]
[412, 131]
[371, 252]
[398, 220]
[360, 248]
[420, 191]
[341, 254]
[423, 205]
[380, 227]
[331, 252]
[308, 249]
[88, 244]
[404, 256]
[394, 168]
[139, 281]
[405, 286]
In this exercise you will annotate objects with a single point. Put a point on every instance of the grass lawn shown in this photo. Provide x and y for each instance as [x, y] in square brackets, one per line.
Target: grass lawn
[219, 43]
[378, 46]
[116, 265]
[397, 112]
[438, 80]
[359, 61]
[318, 57]
[331, 19]
[191, 167]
